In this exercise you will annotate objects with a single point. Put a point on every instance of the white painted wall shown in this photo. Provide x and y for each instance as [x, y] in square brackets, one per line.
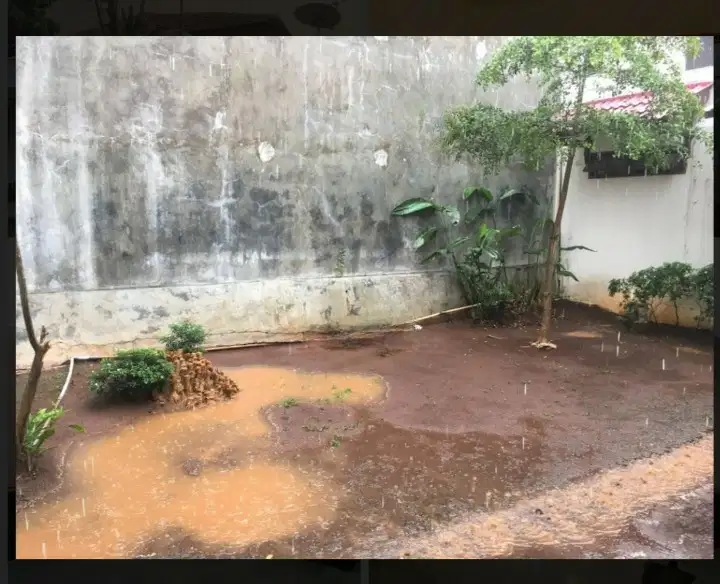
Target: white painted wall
[634, 223]
[638, 222]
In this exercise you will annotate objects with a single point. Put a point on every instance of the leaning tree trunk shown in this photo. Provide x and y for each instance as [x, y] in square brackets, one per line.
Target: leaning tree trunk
[40, 347]
[551, 259]
[543, 341]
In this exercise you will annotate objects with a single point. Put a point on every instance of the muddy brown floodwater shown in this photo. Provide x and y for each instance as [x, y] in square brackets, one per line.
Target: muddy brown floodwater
[384, 446]
[205, 471]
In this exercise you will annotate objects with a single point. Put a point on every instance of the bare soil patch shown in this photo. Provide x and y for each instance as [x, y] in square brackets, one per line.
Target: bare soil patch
[474, 418]
[476, 414]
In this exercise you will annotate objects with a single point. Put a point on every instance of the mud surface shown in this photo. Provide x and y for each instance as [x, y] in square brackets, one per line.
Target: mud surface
[437, 425]
[311, 425]
[591, 518]
[676, 529]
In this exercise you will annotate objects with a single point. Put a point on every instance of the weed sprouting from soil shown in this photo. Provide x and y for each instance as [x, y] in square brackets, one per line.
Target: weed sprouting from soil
[339, 395]
[289, 402]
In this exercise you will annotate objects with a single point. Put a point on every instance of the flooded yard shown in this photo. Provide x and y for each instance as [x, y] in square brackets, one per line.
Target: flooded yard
[419, 444]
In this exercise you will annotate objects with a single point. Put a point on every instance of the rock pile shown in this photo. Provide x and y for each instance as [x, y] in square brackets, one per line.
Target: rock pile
[195, 382]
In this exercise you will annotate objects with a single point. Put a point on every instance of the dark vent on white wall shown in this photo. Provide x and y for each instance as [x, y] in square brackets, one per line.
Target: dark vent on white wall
[607, 165]
[704, 58]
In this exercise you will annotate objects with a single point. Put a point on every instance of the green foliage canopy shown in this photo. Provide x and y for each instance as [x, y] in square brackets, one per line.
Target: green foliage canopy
[563, 66]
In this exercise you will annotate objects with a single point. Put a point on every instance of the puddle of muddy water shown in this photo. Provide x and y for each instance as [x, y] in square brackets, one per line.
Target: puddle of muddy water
[402, 481]
[207, 472]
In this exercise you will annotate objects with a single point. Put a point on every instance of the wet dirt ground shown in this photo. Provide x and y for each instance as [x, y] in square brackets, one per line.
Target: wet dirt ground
[346, 449]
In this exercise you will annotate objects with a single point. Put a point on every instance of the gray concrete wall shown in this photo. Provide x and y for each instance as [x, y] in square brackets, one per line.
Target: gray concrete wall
[243, 182]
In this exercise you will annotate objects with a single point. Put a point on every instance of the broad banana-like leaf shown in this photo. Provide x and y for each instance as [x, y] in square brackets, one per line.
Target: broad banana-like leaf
[411, 206]
[573, 247]
[511, 231]
[474, 216]
[425, 236]
[477, 191]
[458, 242]
[482, 234]
[520, 194]
[452, 213]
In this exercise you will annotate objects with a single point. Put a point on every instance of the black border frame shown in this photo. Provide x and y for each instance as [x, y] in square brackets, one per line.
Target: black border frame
[403, 17]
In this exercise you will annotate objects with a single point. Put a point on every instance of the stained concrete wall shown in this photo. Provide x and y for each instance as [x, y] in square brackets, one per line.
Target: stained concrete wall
[243, 182]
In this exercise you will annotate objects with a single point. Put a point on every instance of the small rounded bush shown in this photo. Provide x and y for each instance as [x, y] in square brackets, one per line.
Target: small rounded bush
[185, 336]
[132, 374]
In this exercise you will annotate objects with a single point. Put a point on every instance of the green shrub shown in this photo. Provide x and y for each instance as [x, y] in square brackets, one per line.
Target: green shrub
[468, 236]
[132, 374]
[40, 428]
[644, 290]
[702, 285]
[185, 336]
[471, 240]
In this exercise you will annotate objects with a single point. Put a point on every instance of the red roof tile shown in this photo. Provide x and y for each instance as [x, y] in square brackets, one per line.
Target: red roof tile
[637, 103]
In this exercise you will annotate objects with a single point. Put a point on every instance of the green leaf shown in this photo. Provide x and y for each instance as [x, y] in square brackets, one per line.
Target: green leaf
[573, 247]
[511, 231]
[561, 271]
[411, 206]
[472, 217]
[519, 194]
[77, 428]
[425, 236]
[452, 213]
[434, 255]
[477, 191]
[458, 242]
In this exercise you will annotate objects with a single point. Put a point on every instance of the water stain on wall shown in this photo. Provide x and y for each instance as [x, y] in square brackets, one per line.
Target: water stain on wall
[207, 472]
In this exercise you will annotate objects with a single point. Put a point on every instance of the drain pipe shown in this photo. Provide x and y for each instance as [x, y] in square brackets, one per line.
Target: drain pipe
[66, 385]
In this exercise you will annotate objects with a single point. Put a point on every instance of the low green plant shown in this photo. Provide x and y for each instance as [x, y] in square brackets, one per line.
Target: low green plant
[289, 402]
[702, 284]
[40, 428]
[472, 242]
[335, 442]
[339, 395]
[185, 336]
[132, 374]
[643, 291]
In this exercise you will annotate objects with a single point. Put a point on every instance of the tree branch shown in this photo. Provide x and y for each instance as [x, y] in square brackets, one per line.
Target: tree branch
[25, 303]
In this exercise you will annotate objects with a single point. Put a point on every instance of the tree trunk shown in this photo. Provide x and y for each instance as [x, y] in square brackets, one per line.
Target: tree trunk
[551, 259]
[543, 341]
[40, 347]
[29, 393]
